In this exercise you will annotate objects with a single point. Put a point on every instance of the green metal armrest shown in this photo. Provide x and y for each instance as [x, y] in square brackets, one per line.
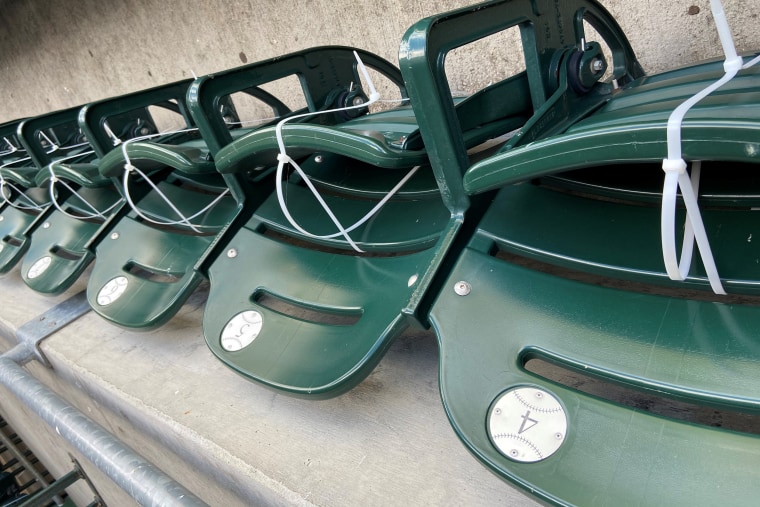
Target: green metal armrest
[631, 128]
[83, 174]
[184, 157]
[328, 76]
[128, 116]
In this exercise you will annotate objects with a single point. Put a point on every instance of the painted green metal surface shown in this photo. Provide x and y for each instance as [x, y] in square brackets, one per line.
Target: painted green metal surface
[552, 33]
[56, 254]
[40, 141]
[14, 226]
[615, 239]
[631, 128]
[152, 265]
[612, 455]
[17, 170]
[491, 316]
[328, 313]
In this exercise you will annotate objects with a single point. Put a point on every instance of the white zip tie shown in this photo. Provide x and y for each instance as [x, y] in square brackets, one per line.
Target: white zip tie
[54, 146]
[114, 138]
[752, 62]
[183, 220]
[283, 158]
[51, 190]
[12, 149]
[34, 206]
[676, 175]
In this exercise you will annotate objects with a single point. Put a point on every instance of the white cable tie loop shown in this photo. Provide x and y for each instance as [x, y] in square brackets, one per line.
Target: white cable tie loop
[283, 158]
[33, 205]
[114, 137]
[53, 145]
[373, 95]
[183, 220]
[676, 176]
[53, 199]
[751, 63]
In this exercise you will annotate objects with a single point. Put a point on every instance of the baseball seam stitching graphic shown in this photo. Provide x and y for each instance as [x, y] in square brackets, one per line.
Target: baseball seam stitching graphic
[537, 409]
[521, 439]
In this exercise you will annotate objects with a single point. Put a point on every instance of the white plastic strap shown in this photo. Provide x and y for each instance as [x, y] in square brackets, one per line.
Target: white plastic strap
[752, 62]
[114, 137]
[11, 148]
[676, 175]
[53, 146]
[283, 158]
[183, 220]
[32, 205]
[54, 200]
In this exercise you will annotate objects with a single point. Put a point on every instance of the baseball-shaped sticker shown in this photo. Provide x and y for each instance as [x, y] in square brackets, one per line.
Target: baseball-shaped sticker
[39, 267]
[112, 290]
[527, 424]
[241, 330]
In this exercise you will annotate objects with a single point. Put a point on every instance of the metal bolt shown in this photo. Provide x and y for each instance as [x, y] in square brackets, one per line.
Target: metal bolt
[497, 411]
[358, 101]
[597, 65]
[232, 253]
[539, 394]
[115, 235]
[145, 131]
[46, 225]
[559, 436]
[462, 288]
[318, 159]
[514, 453]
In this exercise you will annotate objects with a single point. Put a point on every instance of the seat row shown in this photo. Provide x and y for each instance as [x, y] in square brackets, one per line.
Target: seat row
[524, 224]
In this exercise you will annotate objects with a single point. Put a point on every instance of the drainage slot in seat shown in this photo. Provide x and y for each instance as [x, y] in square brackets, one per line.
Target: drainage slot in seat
[68, 255]
[151, 274]
[310, 313]
[13, 241]
[623, 284]
[645, 401]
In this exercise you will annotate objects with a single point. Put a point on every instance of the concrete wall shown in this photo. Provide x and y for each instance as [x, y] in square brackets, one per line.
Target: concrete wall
[58, 53]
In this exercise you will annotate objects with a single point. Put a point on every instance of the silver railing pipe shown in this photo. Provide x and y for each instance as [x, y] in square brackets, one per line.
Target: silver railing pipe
[142, 480]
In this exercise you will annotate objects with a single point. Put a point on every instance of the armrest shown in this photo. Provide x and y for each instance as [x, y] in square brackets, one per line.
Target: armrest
[545, 29]
[63, 123]
[320, 70]
[128, 111]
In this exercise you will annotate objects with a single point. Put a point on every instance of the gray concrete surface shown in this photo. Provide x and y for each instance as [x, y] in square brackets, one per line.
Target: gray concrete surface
[56, 53]
[231, 442]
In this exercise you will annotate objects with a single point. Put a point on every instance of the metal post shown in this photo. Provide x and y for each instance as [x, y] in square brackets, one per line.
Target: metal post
[42, 497]
[142, 480]
[26, 464]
